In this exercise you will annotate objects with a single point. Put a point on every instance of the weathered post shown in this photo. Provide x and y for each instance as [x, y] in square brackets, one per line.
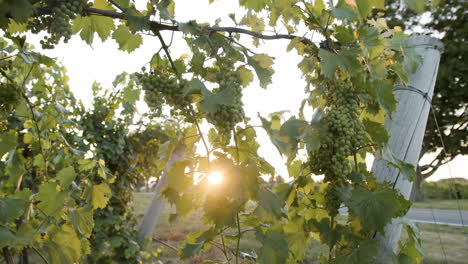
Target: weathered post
[153, 212]
[406, 128]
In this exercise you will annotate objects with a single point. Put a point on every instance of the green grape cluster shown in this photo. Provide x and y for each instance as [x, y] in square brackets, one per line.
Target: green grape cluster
[9, 96]
[58, 23]
[163, 89]
[227, 116]
[332, 201]
[345, 135]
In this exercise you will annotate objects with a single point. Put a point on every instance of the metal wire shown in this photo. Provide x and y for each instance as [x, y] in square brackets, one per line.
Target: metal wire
[444, 149]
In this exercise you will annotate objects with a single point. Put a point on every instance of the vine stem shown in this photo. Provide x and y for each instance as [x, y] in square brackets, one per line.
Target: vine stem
[7, 255]
[40, 255]
[239, 235]
[156, 26]
[168, 54]
[355, 162]
[224, 250]
[201, 136]
[332, 246]
[169, 57]
[9, 57]
[31, 109]
[165, 244]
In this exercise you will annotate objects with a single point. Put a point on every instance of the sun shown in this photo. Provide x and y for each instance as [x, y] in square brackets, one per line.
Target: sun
[215, 178]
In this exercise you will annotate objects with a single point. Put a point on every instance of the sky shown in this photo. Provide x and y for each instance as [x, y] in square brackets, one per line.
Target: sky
[101, 62]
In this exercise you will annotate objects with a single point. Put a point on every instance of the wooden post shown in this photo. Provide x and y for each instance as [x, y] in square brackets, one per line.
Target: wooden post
[406, 129]
[153, 212]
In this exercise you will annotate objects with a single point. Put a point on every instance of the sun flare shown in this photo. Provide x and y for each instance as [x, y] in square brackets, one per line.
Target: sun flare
[215, 178]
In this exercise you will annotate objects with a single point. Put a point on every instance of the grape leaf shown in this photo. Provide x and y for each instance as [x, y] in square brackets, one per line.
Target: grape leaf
[280, 142]
[63, 246]
[275, 249]
[417, 6]
[269, 204]
[262, 65]
[66, 176]
[82, 220]
[254, 22]
[344, 13]
[177, 178]
[211, 101]
[88, 25]
[98, 195]
[9, 239]
[405, 168]
[220, 210]
[411, 60]
[412, 248]
[255, 5]
[15, 167]
[245, 75]
[191, 249]
[344, 35]
[51, 199]
[328, 235]
[363, 7]
[330, 61]
[130, 95]
[196, 243]
[363, 252]
[376, 131]
[316, 131]
[383, 91]
[126, 40]
[7, 142]
[374, 209]
[20, 10]
[10, 209]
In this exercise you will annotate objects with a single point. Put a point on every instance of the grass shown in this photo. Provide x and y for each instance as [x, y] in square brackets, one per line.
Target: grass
[443, 204]
[453, 241]
[454, 249]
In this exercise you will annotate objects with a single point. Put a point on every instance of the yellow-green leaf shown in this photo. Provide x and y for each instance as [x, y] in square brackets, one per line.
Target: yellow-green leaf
[66, 176]
[51, 199]
[98, 195]
[126, 40]
[245, 75]
[89, 25]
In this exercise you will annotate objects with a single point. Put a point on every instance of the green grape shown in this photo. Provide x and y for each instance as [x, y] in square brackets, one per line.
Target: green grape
[58, 23]
[227, 116]
[346, 135]
[163, 89]
[332, 200]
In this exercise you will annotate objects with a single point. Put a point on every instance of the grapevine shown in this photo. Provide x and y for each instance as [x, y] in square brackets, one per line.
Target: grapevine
[86, 157]
[163, 89]
[227, 116]
[345, 136]
[58, 24]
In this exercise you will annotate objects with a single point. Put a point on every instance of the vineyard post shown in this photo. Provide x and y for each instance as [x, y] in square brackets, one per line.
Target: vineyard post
[406, 129]
[153, 212]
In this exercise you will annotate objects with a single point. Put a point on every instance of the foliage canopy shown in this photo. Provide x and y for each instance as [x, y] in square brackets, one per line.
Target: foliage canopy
[65, 168]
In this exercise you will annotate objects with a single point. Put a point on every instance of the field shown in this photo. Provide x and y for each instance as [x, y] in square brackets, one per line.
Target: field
[453, 241]
[443, 204]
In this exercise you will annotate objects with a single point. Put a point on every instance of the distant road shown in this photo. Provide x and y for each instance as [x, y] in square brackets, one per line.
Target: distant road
[434, 216]
[442, 217]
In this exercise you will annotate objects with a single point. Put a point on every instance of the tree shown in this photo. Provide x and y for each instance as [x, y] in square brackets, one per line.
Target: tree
[350, 76]
[450, 100]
